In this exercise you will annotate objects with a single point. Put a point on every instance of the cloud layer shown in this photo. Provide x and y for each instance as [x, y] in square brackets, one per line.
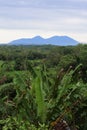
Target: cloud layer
[68, 17]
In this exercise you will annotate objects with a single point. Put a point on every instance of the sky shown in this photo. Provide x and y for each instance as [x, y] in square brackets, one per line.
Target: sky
[29, 18]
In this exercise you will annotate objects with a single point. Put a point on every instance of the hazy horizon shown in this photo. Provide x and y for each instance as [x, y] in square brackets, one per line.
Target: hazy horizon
[38, 36]
[25, 19]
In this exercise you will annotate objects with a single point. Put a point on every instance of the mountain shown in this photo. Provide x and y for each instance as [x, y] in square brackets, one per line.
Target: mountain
[55, 40]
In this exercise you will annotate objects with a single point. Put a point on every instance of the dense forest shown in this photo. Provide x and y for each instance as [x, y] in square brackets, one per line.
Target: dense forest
[42, 85]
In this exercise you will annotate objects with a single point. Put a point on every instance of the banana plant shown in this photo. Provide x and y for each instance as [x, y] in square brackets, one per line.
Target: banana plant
[32, 97]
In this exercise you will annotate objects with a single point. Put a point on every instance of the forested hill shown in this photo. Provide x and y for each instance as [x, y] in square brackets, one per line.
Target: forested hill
[55, 40]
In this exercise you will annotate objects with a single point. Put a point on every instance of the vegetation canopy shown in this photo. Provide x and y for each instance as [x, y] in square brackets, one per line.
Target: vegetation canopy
[42, 85]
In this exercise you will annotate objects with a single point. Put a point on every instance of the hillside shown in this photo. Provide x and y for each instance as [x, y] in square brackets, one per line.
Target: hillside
[55, 40]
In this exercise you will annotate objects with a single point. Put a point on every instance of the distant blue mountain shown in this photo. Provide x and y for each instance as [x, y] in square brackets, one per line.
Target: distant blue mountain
[55, 40]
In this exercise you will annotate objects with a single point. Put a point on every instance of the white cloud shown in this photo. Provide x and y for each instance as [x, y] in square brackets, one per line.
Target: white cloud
[22, 18]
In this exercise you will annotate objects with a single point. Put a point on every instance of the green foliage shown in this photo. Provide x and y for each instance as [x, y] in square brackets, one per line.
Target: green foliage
[12, 123]
[39, 94]
[66, 61]
[33, 97]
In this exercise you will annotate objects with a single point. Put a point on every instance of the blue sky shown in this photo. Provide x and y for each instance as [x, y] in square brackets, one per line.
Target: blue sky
[28, 18]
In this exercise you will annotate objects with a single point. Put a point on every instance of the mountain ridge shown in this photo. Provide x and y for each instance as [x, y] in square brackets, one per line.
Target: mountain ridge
[38, 40]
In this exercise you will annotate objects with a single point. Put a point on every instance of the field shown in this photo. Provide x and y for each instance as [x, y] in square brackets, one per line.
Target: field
[41, 85]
